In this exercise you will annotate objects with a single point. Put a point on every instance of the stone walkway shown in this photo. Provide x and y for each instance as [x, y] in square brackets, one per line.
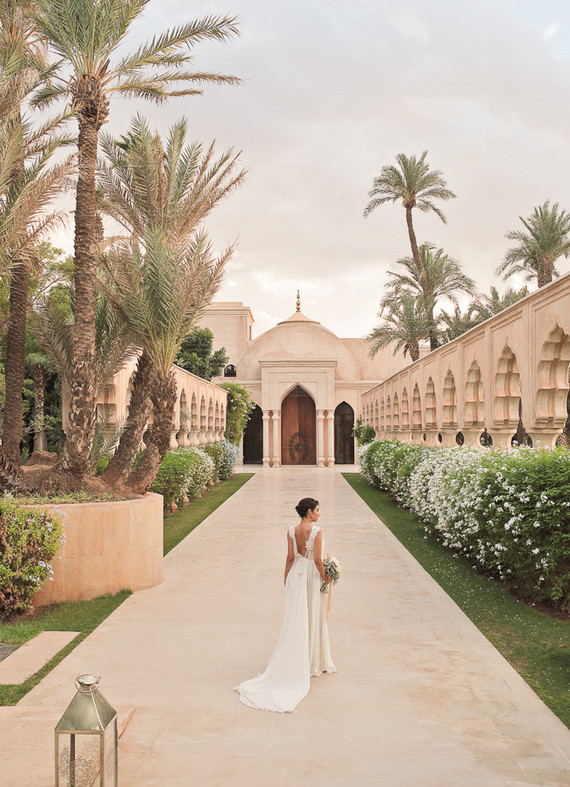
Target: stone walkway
[421, 697]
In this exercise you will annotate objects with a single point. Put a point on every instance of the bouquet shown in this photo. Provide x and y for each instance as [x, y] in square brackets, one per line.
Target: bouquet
[332, 569]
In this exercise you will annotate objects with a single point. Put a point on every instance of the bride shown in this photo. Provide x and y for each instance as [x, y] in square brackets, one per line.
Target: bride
[302, 650]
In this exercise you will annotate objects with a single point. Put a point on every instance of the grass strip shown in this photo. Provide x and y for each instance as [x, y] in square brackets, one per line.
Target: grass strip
[178, 525]
[536, 644]
[85, 616]
[82, 616]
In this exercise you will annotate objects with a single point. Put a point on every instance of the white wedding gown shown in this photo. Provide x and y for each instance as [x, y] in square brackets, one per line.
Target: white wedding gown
[303, 648]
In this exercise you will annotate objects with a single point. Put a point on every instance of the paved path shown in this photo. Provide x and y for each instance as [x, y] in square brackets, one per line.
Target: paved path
[421, 697]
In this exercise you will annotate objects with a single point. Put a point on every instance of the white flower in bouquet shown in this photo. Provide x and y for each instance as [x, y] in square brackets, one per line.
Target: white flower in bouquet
[332, 569]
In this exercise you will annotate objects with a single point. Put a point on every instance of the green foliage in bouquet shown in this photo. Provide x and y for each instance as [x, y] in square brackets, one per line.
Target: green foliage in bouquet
[29, 539]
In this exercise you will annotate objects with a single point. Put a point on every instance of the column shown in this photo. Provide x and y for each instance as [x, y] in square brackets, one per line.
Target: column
[276, 439]
[320, 438]
[330, 437]
[265, 419]
[173, 440]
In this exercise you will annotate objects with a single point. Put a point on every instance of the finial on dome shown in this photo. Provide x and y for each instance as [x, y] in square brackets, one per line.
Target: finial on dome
[298, 302]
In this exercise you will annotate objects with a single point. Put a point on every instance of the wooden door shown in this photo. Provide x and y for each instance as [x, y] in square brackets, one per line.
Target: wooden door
[298, 429]
[343, 439]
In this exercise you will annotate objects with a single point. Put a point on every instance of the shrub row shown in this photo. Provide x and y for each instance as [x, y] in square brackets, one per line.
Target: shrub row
[185, 472]
[507, 511]
[28, 541]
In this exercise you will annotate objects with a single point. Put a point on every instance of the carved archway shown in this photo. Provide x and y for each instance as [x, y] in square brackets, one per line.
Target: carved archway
[405, 409]
[431, 415]
[395, 413]
[416, 408]
[253, 438]
[343, 439]
[507, 390]
[474, 405]
[449, 402]
[552, 380]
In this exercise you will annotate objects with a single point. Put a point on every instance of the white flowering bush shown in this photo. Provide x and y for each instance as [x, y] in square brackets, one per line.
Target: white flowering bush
[507, 511]
[29, 539]
[224, 455]
[183, 473]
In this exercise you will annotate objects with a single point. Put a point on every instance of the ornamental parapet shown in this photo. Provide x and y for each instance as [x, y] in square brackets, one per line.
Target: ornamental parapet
[501, 382]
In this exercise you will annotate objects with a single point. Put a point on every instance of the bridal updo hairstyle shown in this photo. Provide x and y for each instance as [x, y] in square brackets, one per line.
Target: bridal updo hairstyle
[305, 505]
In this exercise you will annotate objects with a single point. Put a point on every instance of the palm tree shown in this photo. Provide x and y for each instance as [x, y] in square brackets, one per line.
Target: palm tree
[28, 183]
[404, 324]
[545, 240]
[438, 276]
[454, 324]
[416, 186]
[160, 292]
[86, 35]
[494, 302]
[149, 186]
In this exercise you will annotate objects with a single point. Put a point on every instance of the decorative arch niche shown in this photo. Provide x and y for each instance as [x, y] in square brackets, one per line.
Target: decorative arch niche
[405, 409]
[395, 413]
[416, 408]
[431, 416]
[449, 409]
[552, 379]
[507, 389]
[388, 414]
[474, 405]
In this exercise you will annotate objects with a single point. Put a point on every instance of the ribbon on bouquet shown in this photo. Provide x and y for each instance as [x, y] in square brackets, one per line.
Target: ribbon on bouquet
[329, 600]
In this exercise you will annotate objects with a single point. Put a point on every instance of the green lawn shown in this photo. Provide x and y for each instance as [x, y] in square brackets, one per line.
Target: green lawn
[536, 644]
[85, 616]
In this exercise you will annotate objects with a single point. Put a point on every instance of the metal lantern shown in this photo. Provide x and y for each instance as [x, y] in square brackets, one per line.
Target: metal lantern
[86, 739]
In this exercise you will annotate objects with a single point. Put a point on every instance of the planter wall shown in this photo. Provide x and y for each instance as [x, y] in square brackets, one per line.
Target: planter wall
[109, 546]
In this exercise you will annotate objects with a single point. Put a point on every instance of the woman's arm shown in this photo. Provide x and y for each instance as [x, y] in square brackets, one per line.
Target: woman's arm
[290, 557]
[318, 556]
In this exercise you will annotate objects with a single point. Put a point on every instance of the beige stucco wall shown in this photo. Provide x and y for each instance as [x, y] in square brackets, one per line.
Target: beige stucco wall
[109, 546]
[199, 414]
[231, 323]
[477, 381]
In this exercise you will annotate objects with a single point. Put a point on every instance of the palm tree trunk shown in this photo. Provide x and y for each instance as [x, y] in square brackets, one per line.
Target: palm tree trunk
[15, 363]
[75, 457]
[413, 241]
[414, 352]
[163, 396]
[40, 443]
[139, 411]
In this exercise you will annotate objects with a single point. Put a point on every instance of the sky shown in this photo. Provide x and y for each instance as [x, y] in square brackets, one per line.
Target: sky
[332, 91]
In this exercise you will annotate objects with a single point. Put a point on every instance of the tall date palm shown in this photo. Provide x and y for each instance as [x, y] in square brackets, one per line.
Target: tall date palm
[546, 239]
[413, 184]
[87, 35]
[148, 186]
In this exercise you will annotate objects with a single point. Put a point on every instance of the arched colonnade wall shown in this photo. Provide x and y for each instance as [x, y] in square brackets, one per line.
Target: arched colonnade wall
[199, 415]
[516, 362]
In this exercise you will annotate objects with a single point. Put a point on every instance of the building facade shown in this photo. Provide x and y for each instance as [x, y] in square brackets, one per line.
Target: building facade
[503, 378]
[306, 383]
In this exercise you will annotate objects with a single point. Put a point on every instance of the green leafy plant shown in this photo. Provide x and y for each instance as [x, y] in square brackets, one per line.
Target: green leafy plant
[364, 434]
[239, 406]
[224, 456]
[28, 541]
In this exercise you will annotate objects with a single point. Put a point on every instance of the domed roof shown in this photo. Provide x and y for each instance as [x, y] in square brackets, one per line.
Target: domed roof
[298, 316]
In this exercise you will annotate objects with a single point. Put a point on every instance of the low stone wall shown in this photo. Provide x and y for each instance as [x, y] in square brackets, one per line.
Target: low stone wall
[109, 546]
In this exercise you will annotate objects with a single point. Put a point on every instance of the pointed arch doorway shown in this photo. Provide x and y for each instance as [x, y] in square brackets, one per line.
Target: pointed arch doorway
[253, 438]
[298, 429]
[343, 439]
